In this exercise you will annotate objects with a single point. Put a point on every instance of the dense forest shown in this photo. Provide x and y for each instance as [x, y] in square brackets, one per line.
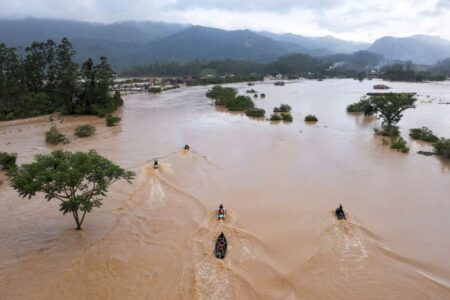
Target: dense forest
[46, 80]
[411, 73]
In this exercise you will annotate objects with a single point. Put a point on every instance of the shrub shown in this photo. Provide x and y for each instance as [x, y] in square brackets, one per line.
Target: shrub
[240, 103]
[252, 91]
[8, 161]
[255, 112]
[442, 148]
[112, 120]
[311, 118]
[154, 90]
[287, 117]
[54, 137]
[283, 108]
[263, 95]
[84, 130]
[220, 93]
[359, 107]
[391, 131]
[399, 144]
[423, 134]
[275, 117]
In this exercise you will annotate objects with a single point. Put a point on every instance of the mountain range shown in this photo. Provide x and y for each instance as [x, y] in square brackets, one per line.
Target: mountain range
[132, 43]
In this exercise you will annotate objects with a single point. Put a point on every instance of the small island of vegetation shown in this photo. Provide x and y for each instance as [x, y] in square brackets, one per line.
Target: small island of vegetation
[283, 108]
[423, 134]
[84, 131]
[311, 119]
[255, 112]
[228, 97]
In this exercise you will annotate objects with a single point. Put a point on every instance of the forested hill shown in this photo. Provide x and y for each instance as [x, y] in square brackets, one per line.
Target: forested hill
[128, 44]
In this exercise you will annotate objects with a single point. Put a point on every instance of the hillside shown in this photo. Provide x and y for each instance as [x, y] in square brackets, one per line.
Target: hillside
[420, 49]
[328, 44]
[200, 42]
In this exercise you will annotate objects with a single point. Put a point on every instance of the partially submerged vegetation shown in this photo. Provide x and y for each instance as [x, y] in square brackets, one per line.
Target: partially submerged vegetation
[79, 181]
[84, 130]
[363, 106]
[442, 148]
[287, 117]
[282, 108]
[228, 97]
[275, 117]
[112, 120]
[54, 137]
[399, 144]
[255, 112]
[423, 134]
[47, 80]
[389, 107]
[311, 118]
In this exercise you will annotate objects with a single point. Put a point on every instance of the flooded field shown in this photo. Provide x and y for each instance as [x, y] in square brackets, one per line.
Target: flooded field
[280, 182]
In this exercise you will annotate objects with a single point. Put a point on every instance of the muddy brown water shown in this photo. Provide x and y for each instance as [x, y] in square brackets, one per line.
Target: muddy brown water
[280, 183]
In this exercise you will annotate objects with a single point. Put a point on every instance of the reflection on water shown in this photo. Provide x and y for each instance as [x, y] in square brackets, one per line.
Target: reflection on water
[154, 239]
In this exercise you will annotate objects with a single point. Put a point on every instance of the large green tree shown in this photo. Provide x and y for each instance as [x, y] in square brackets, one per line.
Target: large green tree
[12, 87]
[66, 76]
[390, 107]
[105, 80]
[78, 180]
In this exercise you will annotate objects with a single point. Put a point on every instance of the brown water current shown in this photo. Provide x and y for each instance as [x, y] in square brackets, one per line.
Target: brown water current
[280, 183]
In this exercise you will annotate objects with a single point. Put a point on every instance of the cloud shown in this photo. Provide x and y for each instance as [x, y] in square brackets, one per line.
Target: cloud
[349, 19]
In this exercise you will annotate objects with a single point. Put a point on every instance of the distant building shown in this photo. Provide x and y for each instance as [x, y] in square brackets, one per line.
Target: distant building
[375, 74]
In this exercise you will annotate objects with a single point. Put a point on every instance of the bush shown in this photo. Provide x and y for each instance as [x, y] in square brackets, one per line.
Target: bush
[252, 91]
[390, 131]
[283, 108]
[399, 144]
[275, 117]
[154, 90]
[442, 148]
[240, 103]
[363, 106]
[423, 134]
[255, 112]
[112, 120]
[8, 161]
[311, 118]
[287, 117]
[54, 137]
[84, 130]
[220, 93]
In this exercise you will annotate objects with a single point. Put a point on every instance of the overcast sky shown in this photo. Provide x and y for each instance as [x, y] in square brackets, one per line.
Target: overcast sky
[364, 20]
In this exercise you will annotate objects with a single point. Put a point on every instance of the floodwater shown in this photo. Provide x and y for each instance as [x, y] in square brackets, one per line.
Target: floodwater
[280, 183]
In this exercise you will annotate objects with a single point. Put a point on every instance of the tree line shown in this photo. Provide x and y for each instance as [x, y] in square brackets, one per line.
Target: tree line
[46, 79]
[354, 65]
